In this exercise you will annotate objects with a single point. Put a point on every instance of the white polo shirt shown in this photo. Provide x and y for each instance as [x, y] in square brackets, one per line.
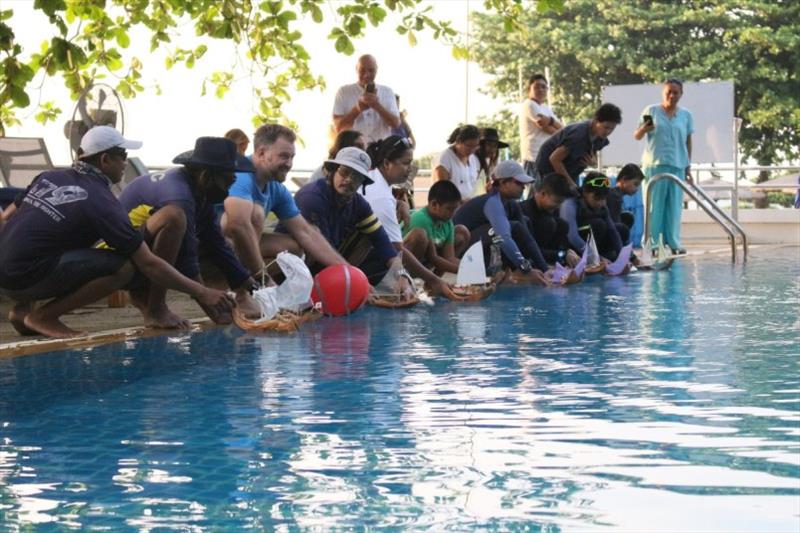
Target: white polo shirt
[369, 123]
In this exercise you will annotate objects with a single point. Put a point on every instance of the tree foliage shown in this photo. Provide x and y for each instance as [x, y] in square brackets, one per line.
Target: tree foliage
[87, 40]
[592, 43]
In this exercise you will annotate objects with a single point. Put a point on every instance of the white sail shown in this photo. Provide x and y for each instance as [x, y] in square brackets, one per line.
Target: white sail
[618, 267]
[581, 266]
[593, 256]
[472, 269]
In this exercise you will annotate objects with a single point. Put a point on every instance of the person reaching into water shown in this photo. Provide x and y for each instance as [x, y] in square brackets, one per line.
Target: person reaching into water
[47, 244]
[392, 158]
[446, 242]
[541, 211]
[346, 219]
[589, 211]
[174, 210]
[498, 213]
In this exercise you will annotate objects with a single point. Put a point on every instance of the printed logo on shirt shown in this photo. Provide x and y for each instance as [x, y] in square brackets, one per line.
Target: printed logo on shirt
[45, 196]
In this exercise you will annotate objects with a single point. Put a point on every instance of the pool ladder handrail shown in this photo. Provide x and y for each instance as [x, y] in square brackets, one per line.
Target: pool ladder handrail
[702, 199]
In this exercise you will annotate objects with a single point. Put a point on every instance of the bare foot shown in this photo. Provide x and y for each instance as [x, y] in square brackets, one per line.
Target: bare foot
[163, 318]
[17, 318]
[49, 327]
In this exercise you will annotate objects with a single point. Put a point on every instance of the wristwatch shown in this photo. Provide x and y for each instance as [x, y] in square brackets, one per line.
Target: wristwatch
[525, 266]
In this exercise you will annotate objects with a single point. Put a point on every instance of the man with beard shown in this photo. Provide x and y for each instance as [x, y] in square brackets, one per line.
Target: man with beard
[255, 194]
[174, 210]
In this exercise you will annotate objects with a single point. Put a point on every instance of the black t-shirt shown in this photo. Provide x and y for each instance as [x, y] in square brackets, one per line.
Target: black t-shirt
[577, 139]
[62, 210]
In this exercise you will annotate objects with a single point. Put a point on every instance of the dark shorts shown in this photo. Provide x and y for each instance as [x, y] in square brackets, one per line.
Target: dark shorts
[75, 269]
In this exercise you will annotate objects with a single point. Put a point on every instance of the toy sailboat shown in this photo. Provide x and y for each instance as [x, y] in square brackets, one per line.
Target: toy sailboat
[594, 263]
[286, 306]
[662, 261]
[471, 281]
[621, 264]
[386, 295]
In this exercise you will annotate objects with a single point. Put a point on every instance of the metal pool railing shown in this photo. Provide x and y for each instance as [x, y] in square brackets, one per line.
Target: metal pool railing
[704, 201]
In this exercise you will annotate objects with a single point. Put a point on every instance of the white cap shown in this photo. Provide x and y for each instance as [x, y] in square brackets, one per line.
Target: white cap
[102, 138]
[356, 159]
[510, 169]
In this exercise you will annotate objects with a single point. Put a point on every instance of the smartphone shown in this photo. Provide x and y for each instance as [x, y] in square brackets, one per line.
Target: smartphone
[370, 88]
[648, 119]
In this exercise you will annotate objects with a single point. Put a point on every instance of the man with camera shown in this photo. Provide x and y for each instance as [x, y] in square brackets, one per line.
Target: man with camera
[364, 106]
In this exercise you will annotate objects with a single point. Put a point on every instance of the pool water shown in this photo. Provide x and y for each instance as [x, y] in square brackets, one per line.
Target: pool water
[662, 401]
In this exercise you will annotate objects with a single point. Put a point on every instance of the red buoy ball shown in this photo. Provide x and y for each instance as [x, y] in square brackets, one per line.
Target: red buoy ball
[341, 289]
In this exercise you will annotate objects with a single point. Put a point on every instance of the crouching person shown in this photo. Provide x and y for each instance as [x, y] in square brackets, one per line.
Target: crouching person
[175, 212]
[346, 219]
[46, 245]
[446, 241]
[589, 210]
[498, 213]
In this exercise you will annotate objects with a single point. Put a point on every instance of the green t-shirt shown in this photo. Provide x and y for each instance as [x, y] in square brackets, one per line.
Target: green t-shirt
[440, 232]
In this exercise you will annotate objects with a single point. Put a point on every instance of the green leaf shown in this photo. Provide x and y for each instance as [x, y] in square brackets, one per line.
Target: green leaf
[122, 38]
[344, 45]
[19, 96]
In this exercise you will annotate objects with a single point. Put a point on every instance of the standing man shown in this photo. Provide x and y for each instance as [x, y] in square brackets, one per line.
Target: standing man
[537, 122]
[364, 106]
[255, 194]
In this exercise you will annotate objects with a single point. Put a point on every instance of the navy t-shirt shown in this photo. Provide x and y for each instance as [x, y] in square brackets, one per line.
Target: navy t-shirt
[576, 138]
[147, 194]
[62, 210]
[317, 203]
[490, 208]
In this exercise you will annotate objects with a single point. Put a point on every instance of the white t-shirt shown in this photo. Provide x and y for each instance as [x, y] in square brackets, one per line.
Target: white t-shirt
[383, 204]
[463, 176]
[531, 136]
[369, 123]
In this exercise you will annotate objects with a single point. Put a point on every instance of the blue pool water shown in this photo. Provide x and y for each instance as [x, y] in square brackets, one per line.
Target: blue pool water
[663, 401]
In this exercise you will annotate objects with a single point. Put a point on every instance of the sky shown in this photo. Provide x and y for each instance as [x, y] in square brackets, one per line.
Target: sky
[438, 91]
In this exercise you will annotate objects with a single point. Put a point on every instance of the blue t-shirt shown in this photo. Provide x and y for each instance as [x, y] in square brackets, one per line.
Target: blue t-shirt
[62, 210]
[338, 222]
[274, 197]
[147, 194]
[666, 144]
[577, 139]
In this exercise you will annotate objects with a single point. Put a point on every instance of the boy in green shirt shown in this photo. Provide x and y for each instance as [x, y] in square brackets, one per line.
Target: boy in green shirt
[446, 242]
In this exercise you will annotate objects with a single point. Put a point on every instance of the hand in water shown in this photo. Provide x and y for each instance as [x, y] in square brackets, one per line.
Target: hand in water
[442, 288]
[405, 289]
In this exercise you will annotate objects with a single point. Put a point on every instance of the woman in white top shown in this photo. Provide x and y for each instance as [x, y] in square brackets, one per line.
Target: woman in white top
[392, 158]
[458, 163]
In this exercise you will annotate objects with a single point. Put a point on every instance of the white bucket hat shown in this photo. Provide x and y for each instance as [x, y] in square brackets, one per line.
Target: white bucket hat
[355, 159]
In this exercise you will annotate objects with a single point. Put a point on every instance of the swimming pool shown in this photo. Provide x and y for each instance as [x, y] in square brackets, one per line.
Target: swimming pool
[663, 401]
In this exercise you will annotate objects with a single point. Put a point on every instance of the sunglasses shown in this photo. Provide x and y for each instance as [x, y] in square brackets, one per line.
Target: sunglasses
[402, 141]
[347, 172]
[119, 152]
[598, 181]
